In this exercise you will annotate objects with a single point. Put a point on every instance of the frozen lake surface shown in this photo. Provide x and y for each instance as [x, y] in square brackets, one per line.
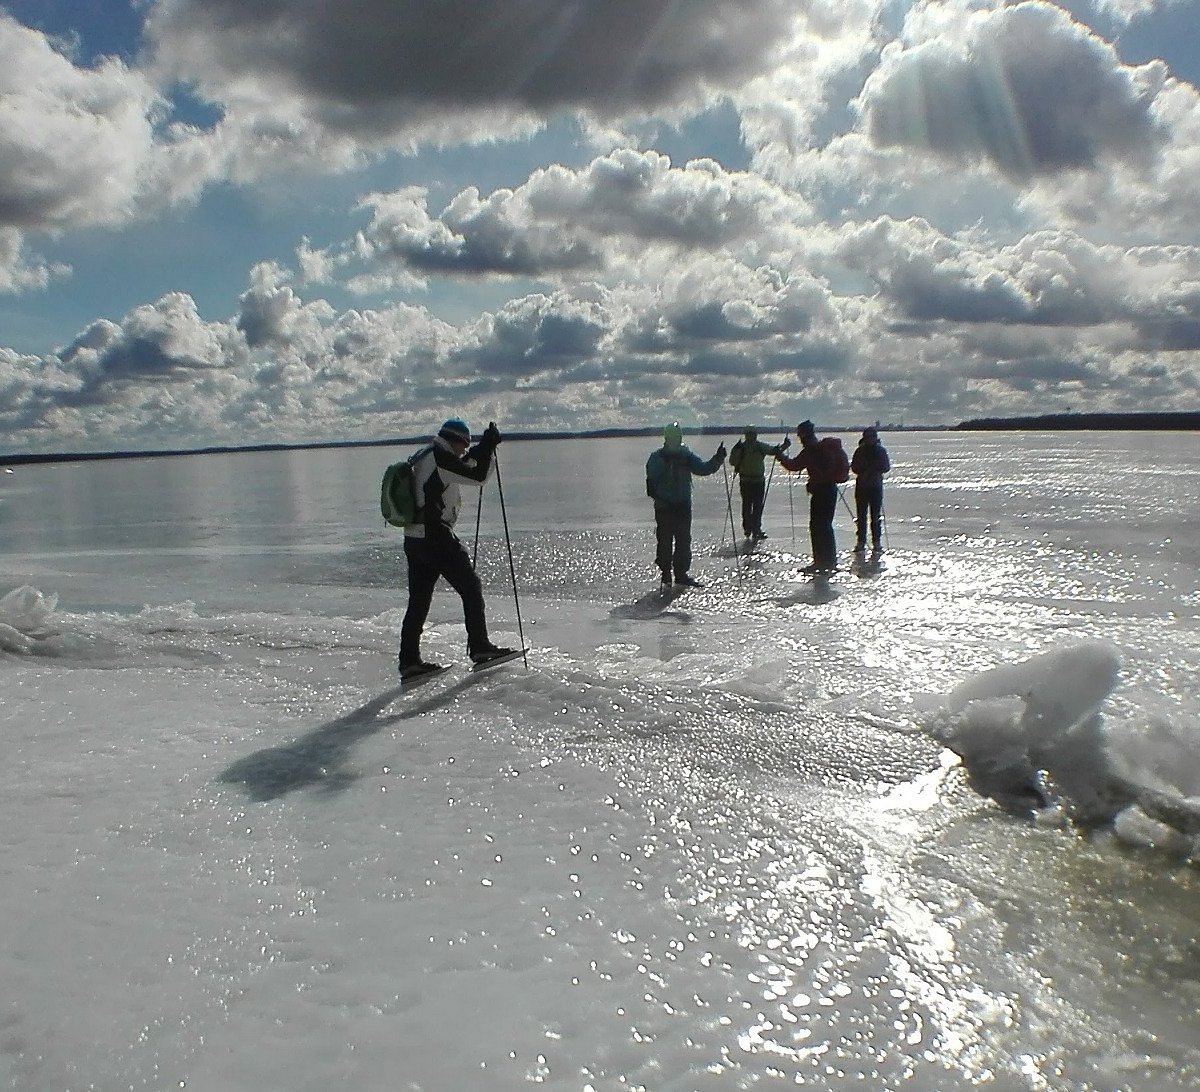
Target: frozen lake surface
[932, 821]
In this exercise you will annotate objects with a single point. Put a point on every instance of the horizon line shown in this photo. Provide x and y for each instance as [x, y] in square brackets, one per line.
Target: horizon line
[1168, 420]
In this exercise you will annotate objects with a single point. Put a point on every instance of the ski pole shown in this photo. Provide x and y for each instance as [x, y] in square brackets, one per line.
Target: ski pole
[792, 504]
[725, 523]
[478, 516]
[771, 475]
[729, 503]
[853, 517]
[887, 539]
[842, 496]
[511, 568]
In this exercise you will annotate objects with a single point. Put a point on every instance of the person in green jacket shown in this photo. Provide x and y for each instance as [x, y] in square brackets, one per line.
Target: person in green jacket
[669, 473]
[748, 459]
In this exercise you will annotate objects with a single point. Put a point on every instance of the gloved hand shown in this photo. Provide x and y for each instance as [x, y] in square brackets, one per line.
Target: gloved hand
[721, 452]
[787, 442]
[491, 435]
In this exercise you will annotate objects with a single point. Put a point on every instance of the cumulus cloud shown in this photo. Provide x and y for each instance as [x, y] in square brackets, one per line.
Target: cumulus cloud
[1023, 87]
[74, 142]
[83, 147]
[1126, 11]
[285, 367]
[529, 336]
[1154, 198]
[30, 387]
[472, 235]
[158, 342]
[564, 220]
[1127, 166]
[21, 271]
[803, 102]
[724, 338]
[711, 302]
[271, 315]
[1049, 278]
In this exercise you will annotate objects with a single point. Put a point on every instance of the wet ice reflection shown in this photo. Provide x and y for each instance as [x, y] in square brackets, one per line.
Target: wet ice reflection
[704, 847]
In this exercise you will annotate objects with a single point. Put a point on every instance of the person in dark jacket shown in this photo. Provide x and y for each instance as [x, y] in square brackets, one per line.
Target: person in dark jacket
[822, 493]
[432, 549]
[669, 473]
[748, 459]
[869, 465]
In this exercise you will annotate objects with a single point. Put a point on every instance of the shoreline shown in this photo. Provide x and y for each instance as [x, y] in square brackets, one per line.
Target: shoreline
[1063, 422]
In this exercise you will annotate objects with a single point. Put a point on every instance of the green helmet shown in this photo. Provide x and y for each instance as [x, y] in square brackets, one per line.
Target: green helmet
[673, 434]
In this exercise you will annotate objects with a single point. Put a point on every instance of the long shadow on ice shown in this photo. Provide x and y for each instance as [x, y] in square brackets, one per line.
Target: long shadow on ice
[319, 758]
[814, 593]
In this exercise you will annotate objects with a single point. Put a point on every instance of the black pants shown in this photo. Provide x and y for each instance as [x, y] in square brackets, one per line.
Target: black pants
[673, 531]
[428, 558]
[754, 495]
[822, 506]
[868, 499]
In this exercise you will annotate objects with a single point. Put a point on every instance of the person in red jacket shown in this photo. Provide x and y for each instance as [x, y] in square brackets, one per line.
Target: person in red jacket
[819, 461]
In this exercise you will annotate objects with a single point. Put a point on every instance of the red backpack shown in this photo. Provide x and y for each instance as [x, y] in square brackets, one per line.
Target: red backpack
[836, 459]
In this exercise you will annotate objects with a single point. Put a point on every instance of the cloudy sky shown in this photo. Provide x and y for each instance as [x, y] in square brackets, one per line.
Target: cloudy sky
[242, 221]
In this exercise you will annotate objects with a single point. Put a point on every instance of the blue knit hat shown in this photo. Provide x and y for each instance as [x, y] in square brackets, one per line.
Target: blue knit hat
[456, 430]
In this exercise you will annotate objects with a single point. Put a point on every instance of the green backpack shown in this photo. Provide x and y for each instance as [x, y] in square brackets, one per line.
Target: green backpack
[398, 496]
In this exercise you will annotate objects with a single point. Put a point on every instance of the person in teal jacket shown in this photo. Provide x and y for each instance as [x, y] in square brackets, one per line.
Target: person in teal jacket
[748, 460]
[669, 473]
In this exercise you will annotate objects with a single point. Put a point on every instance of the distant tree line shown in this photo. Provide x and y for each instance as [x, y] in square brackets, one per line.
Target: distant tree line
[400, 441]
[1116, 422]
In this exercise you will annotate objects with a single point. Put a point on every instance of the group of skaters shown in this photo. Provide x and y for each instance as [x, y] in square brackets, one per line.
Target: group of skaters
[451, 461]
[670, 469]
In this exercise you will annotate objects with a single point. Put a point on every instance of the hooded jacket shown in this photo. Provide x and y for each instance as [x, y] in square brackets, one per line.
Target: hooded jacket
[438, 473]
[748, 458]
[669, 473]
[815, 457]
[870, 463]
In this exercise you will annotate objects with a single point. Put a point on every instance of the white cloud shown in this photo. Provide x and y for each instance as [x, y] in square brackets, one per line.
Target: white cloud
[1126, 11]
[271, 315]
[1047, 279]
[942, 261]
[1023, 87]
[802, 102]
[1012, 116]
[567, 221]
[724, 339]
[21, 271]
[29, 387]
[74, 142]
[83, 147]
[160, 342]
[1156, 198]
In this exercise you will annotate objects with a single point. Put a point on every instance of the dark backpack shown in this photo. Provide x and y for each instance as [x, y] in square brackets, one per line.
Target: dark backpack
[836, 459]
[735, 456]
[398, 496]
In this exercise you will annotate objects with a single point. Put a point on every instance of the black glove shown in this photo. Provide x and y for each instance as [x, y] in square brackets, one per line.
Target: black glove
[491, 436]
[721, 453]
[787, 442]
